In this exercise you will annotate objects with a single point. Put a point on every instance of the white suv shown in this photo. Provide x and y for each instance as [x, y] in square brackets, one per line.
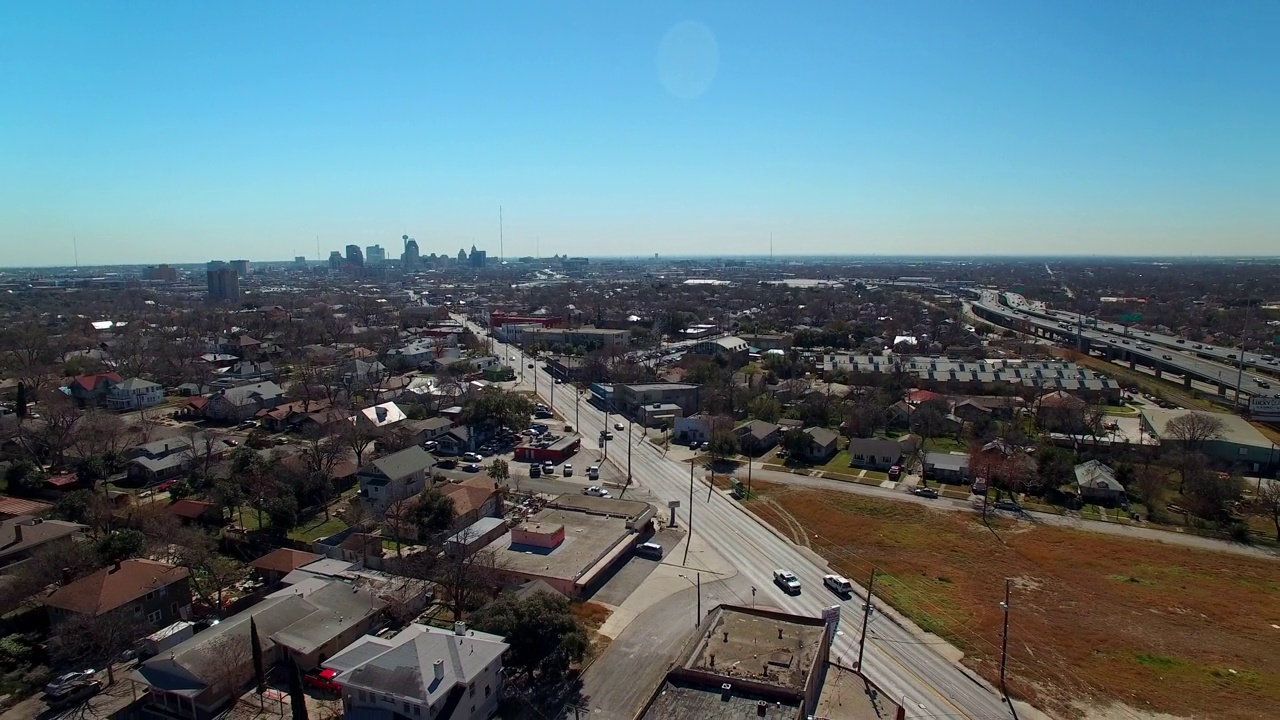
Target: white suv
[788, 581]
[838, 585]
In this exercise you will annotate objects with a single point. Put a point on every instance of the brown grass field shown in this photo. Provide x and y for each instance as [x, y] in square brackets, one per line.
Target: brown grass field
[1096, 619]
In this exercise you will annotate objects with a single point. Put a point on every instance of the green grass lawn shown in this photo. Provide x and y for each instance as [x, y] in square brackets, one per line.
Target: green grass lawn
[944, 444]
[316, 528]
[1122, 410]
[839, 463]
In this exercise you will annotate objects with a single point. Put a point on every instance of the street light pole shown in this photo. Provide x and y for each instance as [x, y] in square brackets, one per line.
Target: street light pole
[689, 540]
[1244, 338]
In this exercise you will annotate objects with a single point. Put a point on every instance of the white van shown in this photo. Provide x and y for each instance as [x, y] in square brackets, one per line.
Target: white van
[838, 585]
[649, 550]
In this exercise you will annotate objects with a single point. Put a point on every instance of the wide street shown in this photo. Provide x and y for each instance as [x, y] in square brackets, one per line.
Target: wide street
[897, 659]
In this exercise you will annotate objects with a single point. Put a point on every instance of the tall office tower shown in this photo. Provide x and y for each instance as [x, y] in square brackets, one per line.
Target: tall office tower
[223, 283]
[335, 261]
[477, 257]
[241, 267]
[410, 260]
[354, 257]
[375, 255]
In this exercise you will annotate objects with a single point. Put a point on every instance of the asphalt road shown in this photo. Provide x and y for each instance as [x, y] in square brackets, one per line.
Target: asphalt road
[1182, 361]
[896, 659]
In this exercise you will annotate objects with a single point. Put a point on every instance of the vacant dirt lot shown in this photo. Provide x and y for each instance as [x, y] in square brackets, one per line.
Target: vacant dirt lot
[1095, 618]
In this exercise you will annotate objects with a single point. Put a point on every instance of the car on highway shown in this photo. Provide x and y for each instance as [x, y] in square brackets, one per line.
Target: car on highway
[66, 680]
[1264, 384]
[926, 492]
[530, 366]
[607, 435]
[323, 680]
[596, 491]
[1166, 357]
[75, 692]
[787, 580]
[618, 426]
[838, 584]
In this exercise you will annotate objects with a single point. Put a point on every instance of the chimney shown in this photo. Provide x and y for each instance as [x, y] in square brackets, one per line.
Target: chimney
[17, 533]
[66, 576]
[459, 628]
[438, 667]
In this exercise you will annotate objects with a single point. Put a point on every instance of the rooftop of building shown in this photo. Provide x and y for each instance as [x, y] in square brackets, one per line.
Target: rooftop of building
[586, 538]
[687, 699]
[763, 647]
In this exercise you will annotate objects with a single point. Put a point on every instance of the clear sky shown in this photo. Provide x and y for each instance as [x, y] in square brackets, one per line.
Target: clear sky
[182, 131]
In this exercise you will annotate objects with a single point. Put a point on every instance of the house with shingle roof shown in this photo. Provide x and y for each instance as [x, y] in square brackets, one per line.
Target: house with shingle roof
[153, 594]
[92, 389]
[422, 671]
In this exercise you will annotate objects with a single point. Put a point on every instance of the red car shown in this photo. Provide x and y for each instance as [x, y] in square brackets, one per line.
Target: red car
[166, 486]
[894, 472]
[323, 680]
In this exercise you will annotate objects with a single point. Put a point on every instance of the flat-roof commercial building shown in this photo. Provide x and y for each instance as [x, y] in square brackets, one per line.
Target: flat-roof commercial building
[570, 544]
[980, 376]
[587, 337]
[1240, 444]
[629, 399]
[744, 663]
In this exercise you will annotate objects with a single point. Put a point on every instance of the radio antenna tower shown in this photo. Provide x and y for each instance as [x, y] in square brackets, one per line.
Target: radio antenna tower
[502, 255]
[75, 249]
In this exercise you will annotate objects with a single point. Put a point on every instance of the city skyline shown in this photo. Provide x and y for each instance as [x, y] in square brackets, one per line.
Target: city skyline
[926, 129]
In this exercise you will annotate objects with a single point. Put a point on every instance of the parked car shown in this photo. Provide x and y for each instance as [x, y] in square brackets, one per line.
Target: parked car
[895, 472]
[548, 467]
[650, 550]
[927, 492]
[597, 491]
[67, 679]
[76, 692]
[838, 585]
[1009, 505]
[695, 445]
[471, 467]
[593, 472]
[787, 580]
[568, 469]
[430, 445]
[447, 464]
[535, 470]
[472, 457]
[323, 680]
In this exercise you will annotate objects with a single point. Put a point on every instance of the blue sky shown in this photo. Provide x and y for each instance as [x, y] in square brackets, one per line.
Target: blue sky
[181, 132]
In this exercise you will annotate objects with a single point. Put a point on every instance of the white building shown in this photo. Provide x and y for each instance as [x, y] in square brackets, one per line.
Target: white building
[134, 394]
[420, 673]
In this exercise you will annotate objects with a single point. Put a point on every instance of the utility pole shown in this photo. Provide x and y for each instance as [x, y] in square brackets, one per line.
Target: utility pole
[630, 423]
[698, 621]
[866, 616]
[1004, 646]
[1244, 337]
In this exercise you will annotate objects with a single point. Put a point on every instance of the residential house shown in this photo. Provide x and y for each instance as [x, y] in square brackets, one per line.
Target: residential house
[278, 563]
[245, 372]
[1096, 483]
[462, 438]
[422, 672]
[973, 409]
[823, 445]
[23, 536]
[757, 436]
[946, 467]
[242, 346]
[93, 389]
[429, 428]
[238, 404]
[153, 594]
[358, 374]
[12, 507]
[380, 417]
[473, 499]
[287, 416]
[351, 546]
[196, 512]
[164, 459]
[700, 427]
[397, 476]
[309, 623]
[134, 394]
[317, 423]
[875, 453]
[1059, 411]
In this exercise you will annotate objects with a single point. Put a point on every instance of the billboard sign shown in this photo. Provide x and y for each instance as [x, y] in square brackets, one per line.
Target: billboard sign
[1264, 408]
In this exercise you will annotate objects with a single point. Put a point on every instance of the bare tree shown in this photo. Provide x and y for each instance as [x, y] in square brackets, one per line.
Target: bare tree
[399, 517]
[1194, 429]
[229, 660]
[1268, 498]
[468, 576]
[83, 639]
